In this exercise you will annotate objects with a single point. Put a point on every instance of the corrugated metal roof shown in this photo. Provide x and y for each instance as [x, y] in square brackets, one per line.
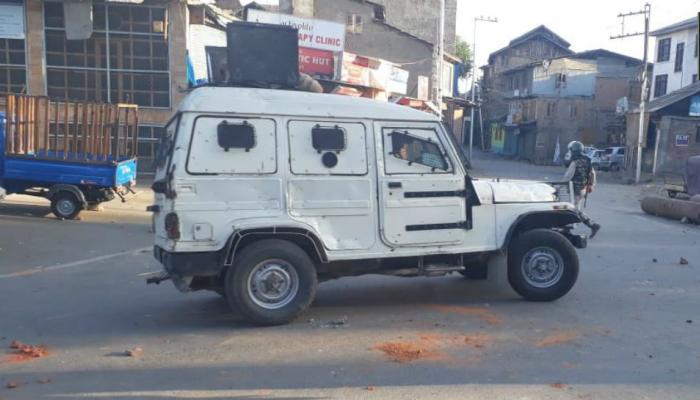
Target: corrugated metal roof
[689, 23]
[673, 97]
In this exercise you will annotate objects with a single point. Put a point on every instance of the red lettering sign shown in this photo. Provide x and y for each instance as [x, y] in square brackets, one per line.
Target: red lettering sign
[316, 62]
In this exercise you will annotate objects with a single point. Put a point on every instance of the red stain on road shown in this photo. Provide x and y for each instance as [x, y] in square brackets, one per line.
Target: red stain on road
[432, 347]
[482, 313]
[557, 338]
[25, 352]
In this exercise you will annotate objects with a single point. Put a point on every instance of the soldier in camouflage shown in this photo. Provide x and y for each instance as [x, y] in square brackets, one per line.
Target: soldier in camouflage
[582, 175]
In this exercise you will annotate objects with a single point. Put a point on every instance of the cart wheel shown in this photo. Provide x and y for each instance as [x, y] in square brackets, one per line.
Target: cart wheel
[672, 194]
[65, 205]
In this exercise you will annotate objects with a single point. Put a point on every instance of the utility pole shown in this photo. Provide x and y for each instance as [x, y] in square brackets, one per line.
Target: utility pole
[642, 104]
[440, 57]
[474, 69]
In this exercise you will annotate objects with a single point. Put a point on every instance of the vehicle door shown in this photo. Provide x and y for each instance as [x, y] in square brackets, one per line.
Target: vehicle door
[421, 186]
[329, 186]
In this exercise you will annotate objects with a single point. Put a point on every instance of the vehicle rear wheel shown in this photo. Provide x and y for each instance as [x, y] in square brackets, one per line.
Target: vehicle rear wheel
[271, 282]
[542, 265]
[65, 205]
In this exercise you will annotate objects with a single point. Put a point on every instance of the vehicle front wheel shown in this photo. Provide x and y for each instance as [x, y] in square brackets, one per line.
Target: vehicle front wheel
[271, 282]
[65, 205]
[542, 265]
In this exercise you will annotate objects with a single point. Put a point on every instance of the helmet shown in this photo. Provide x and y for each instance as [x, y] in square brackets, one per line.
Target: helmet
[576, 147]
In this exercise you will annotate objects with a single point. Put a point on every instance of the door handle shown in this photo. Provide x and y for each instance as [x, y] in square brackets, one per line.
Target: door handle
[394, 185]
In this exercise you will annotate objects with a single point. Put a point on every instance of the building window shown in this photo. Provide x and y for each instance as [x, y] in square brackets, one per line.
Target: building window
[664, 50]
[551, 109]
[148, 140]
[695, 78]
[379, 13]
[13, 76]
[660, 85]
[680, 49]
[560, 81]
[354, 24]
[137, 70]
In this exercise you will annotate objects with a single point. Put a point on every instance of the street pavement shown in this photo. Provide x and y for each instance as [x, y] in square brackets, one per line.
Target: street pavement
[629, 329]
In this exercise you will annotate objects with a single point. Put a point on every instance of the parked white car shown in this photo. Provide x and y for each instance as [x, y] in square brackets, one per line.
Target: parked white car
[596, 158]
[261, 194]
[613, 159]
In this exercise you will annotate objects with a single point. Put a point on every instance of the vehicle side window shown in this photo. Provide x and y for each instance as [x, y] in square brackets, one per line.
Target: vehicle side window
[414, 151]
[327, 148]
[232, 146]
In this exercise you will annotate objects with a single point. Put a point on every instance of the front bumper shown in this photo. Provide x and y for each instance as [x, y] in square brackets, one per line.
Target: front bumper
[189, 264]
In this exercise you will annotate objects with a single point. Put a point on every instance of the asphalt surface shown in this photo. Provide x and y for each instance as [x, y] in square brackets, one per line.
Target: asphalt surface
[630, 328]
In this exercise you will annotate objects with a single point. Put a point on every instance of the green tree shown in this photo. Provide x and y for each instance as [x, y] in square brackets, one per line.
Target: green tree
[464, 52]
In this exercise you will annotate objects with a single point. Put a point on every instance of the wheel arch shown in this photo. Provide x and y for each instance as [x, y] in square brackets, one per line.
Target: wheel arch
[540, 220]
[72, 189]
[305, 239]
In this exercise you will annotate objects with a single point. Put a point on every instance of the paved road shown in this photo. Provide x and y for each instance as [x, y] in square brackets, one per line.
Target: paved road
[630, 328]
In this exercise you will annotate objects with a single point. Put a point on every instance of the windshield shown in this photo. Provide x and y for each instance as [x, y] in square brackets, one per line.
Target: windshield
[457, 146]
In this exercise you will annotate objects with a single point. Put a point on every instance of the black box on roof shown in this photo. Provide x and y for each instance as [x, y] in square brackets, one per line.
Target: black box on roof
[262, 54]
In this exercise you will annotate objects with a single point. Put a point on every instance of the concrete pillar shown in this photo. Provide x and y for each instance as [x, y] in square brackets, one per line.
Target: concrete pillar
[36, 84]
[177, 35]
[300, 8]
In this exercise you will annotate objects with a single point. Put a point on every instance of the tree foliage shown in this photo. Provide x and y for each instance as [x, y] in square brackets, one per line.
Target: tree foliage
[464, 52]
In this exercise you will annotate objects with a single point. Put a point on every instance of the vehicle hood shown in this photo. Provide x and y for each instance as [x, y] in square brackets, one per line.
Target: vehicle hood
[522, 192]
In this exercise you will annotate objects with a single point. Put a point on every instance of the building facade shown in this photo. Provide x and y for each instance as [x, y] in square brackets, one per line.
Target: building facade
[133, 53]
[671, 133]
[554, 101]
[504, 72]
[676, 60]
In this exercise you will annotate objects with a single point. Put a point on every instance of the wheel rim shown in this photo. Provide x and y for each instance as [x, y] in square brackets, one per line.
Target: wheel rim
[272, 284]
[542, 267]
[65, 207]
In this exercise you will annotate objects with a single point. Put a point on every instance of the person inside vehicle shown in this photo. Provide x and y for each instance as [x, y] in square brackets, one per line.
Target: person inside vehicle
[403, 152]
[582, 174]
[430, 159]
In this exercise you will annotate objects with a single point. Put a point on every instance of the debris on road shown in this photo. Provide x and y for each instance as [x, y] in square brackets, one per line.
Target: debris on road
[135, 352]
[688, 321]
[683, 261]
[370, 388]
[338, 323]
[13, 385]
[44, 381]
[25, 352]
[405, 352]
[558, 338]
[431, 346]
[559, 385]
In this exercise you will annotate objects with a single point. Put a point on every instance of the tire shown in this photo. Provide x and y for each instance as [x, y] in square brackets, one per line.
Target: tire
[271, 262]
[538, 248]
[64, 205]
[672, 194]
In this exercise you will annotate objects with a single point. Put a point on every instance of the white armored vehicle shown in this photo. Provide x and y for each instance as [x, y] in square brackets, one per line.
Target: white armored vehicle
[261, 194]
